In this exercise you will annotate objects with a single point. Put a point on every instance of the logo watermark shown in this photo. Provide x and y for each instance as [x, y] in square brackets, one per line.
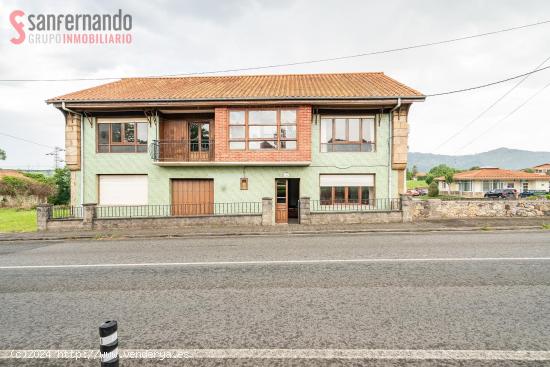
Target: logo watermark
[71, 28]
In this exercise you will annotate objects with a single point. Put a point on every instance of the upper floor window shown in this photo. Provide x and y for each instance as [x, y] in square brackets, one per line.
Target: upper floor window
[262, 129]
[123, 137]
[348, 134]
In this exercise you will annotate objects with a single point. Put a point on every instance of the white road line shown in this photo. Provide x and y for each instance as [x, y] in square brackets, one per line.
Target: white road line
[277, 262]
[374, 354]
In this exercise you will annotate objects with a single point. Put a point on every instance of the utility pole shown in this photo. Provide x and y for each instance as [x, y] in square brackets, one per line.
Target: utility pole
[56, 156]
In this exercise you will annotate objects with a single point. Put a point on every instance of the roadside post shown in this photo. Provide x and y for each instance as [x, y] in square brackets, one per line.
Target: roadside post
[108, 344]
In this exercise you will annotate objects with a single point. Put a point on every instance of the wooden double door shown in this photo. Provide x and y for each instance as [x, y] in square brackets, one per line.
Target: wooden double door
[287, 193]
[186, 140]
[192, 197]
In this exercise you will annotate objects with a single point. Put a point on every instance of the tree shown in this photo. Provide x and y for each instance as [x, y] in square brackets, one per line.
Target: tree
[474, 168]
[528, 170]
[62, 180]
[2, 154]
[414, 170]
[441, 170]
[433, 190]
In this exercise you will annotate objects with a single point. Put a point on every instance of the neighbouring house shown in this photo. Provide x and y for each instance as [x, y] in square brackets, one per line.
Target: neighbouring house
[543, 168]
[419, 176]
[477, 182]
[335, 138]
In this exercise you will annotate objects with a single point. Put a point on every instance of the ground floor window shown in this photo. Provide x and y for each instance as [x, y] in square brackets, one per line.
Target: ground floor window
[123, 190]
[465, 186]
[492, 185]
[525, 186]
[346, 189]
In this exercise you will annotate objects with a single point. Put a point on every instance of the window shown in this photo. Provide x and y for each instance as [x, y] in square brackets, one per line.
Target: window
[465, 186]
[262, 129]
[493, 185]
[352, 134]
[346, 189]
[123, 137]
[123, 190]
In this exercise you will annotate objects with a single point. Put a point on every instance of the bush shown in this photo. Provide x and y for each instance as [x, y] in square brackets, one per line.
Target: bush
[62, 180]
[433, 190]
[548, 196]
[15, 186]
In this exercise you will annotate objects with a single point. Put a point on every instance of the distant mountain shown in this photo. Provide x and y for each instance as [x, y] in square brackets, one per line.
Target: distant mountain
[501, 157]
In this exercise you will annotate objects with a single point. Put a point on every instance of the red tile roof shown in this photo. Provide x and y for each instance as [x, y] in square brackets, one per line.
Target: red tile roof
[494, 174]
[338, 86]
[543, 166]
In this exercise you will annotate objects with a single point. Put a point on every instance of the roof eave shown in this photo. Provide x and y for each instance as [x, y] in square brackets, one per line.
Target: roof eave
[240, 99]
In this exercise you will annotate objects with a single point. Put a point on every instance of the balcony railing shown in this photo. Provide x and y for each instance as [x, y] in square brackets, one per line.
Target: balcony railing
[182, 150]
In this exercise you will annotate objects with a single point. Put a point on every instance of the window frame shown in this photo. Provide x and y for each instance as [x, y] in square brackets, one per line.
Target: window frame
[346, 195]
[278, 125]
[359, 142]
[122, 121]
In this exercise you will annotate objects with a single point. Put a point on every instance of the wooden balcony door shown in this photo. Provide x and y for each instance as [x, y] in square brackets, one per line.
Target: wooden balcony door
[281, 200]
[192, 197]
[174, 134]
[199, 141]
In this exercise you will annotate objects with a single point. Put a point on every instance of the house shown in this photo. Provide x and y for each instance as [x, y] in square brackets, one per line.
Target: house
[419, 176]
[543, 168]
[477, 182]
[336, 138]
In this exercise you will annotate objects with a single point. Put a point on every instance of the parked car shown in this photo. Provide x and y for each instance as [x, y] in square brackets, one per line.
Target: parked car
[501, 193]
[528, 193]
[412, 193]
[422, 191]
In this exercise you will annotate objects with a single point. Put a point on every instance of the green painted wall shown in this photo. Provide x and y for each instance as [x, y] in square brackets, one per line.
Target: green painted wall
[226, 179]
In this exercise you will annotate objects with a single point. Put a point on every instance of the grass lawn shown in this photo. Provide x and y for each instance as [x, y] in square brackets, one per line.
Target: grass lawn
[412, 184]
[17, 220]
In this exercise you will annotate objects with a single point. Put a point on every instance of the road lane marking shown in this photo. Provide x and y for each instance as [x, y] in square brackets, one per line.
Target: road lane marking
[374, 354]
[278, 262]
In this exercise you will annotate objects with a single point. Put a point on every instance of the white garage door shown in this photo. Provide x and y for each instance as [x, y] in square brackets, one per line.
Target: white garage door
[123, 190]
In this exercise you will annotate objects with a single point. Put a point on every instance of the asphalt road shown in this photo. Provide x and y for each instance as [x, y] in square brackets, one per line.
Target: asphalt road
[479, 292]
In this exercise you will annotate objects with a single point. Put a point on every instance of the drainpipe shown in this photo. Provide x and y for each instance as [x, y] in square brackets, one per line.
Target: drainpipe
[390, 147]
[64, 108]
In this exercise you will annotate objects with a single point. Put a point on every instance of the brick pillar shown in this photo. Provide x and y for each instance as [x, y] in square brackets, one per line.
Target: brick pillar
[89, 215]
[406, 208]
[42, 216]
[267, 212]
[305, 210]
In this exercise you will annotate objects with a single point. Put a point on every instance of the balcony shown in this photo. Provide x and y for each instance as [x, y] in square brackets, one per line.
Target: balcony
[182, 151]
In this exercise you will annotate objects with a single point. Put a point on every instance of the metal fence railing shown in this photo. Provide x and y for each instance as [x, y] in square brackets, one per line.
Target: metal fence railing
[66, 212]
[321, 206]
[179, 210]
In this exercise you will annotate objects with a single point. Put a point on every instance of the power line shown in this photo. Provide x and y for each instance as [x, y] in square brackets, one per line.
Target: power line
[490, 107]
[505, 117]
[488, 84]
[28, 141]
[304, 62]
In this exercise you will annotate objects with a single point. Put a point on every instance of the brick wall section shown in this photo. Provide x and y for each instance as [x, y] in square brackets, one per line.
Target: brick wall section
[72, 141]
[224, 154]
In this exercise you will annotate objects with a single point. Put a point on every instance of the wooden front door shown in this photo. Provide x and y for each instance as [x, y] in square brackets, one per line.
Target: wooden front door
[173, 135]
[192, 197]
[281, 200]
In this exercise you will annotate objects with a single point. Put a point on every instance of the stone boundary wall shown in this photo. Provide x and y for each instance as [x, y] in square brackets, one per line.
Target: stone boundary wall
[454, 209]
[308, 217]
[90, 221]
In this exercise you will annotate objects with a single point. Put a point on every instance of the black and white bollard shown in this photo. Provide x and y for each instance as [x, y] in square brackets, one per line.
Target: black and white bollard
[108, 344]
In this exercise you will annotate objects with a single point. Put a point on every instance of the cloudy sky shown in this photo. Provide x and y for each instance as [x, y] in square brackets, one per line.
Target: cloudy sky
[173, 37]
